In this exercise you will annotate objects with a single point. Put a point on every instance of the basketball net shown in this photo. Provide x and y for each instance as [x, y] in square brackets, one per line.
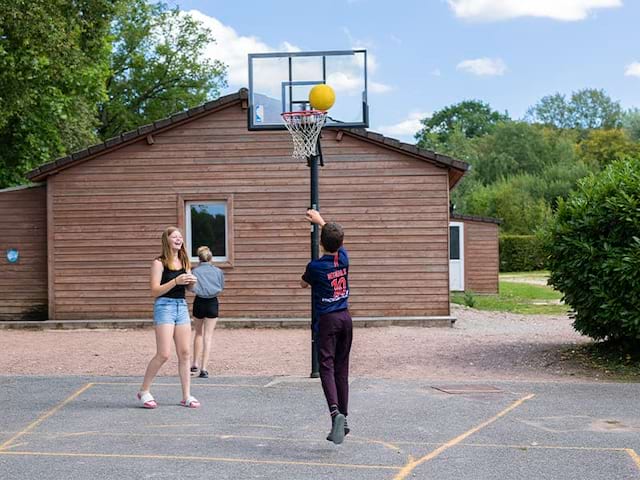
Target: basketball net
[305, 127]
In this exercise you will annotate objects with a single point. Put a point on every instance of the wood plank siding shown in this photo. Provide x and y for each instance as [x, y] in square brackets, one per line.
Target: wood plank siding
[23, 222]
[107, 215]
[481, 257]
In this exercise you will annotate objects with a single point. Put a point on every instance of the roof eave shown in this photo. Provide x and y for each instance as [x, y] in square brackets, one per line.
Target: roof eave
[127, 138]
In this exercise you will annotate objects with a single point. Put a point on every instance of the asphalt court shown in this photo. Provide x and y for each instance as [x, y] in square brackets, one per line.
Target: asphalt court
[274, 427]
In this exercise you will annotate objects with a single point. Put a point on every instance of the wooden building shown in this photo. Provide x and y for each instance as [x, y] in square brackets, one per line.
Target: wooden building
[23, 280]
[474, 261]
[105, 209]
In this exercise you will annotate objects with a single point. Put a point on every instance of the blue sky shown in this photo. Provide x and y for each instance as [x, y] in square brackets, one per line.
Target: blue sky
[425, 55]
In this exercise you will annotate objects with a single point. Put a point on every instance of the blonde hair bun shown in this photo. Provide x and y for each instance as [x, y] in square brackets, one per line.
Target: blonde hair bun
[204, 254]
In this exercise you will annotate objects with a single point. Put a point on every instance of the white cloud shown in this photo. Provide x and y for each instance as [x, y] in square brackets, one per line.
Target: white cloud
[563, 10]
[436, 72]
[483, 66]
[632, 70]
[408, 127]
[232, 49]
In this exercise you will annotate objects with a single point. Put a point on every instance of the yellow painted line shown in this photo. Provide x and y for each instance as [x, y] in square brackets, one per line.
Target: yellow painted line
[198, 385]
[320, 439]
[412, 464]
[15, 445]
[42, 418]
[385, 444]
[543, 447]
[203, 459]
[634, 456]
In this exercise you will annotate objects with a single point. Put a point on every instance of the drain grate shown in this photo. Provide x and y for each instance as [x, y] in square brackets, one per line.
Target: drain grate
[462, 389]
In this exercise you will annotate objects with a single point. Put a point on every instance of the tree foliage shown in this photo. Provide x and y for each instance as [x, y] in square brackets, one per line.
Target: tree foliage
[631, 123]
[157, 66]
[594, 253]
[586, 109]
[511, 201]
[536, 164]
[519, 147]
[73, 72]
[472, 118]
[602, 147]
[53, 67]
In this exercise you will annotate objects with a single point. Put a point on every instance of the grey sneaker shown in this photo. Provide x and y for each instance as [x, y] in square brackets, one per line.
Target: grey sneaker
[203, 374]
[346, 430]
[337, 429]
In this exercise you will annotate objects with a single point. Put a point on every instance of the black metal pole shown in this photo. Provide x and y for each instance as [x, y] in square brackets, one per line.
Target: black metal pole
[315, 253]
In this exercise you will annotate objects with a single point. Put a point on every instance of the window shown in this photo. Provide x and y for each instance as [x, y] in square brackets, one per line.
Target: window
[454, 243]
[207, 225]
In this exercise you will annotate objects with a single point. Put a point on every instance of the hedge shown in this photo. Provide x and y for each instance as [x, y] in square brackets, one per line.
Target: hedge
[521, 253]
[594, 254]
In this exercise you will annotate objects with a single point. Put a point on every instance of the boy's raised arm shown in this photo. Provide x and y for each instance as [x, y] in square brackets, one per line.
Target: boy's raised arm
[314, 217]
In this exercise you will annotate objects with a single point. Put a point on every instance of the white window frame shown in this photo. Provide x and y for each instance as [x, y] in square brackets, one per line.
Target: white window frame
[187, 219]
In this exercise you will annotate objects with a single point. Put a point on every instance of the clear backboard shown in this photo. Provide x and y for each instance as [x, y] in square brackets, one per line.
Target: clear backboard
[280, 82]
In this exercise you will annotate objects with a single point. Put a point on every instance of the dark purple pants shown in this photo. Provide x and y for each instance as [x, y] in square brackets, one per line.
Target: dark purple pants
[335, 333]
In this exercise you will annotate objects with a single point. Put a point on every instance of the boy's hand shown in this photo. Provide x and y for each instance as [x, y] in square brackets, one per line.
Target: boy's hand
[314, 217]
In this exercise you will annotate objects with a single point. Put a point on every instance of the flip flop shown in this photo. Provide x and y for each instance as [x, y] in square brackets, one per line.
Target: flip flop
[147, 400]
[190, 402]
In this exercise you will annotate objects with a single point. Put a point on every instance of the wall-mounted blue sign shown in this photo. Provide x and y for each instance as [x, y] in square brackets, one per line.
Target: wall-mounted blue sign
[12, 255]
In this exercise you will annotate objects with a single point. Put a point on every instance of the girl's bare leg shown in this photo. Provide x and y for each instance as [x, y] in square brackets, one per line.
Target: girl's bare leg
[209, 326]
[182, 338]
[164, 333]
[197, 342]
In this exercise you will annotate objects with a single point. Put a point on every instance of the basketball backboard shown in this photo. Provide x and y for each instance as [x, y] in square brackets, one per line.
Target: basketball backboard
[280, 82]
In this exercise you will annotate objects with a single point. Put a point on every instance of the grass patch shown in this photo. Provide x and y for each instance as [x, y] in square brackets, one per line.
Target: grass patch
[516, 297]
[608, 358]
[541, 274]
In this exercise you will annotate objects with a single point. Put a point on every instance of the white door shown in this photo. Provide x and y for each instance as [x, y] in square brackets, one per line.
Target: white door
[456, 256]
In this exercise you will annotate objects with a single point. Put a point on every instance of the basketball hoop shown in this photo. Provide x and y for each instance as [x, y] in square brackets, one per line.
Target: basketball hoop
[305, 127]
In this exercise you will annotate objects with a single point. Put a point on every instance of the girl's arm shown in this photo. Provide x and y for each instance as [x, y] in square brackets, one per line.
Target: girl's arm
[156, 277]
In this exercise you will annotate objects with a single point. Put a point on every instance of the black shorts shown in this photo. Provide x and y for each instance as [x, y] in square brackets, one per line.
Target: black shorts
[205, 307]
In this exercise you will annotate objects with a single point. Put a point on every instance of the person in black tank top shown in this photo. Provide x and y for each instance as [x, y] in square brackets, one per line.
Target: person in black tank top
[170, 277]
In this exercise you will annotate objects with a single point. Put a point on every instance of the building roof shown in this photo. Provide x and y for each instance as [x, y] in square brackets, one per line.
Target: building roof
[474, 218]
[455, 167]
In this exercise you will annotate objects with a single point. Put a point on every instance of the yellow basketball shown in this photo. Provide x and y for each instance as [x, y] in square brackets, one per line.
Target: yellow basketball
[322, 97]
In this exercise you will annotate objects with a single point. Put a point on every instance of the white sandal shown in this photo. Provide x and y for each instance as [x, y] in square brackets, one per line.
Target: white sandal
[191, 402]
[147, 400]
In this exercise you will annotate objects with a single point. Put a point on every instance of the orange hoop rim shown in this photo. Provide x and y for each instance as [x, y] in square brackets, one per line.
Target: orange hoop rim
[303, 113]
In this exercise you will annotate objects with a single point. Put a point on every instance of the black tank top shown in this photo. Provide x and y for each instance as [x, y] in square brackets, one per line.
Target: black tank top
[167, 276]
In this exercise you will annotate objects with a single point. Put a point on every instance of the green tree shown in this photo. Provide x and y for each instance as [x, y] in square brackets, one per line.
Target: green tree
[53, 66]
[586, 109]
[510, 201]
[519, 147]
[631, 123]
[602, 147]
[157, 66]
[593, 244]
[471, 117]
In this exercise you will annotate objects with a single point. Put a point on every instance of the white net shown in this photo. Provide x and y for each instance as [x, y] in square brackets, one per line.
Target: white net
[305, 128]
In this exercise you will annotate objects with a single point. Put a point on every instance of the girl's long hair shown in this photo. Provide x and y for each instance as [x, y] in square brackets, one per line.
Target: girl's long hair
[167, 253]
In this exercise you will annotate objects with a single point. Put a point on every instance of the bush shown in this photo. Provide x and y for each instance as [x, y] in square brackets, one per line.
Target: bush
[521, 253]
[593, 245]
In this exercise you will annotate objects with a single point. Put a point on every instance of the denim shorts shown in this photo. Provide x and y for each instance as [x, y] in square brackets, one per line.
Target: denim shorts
[171, 311]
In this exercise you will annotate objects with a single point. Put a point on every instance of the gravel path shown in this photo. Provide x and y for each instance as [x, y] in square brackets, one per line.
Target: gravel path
[481, 345]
